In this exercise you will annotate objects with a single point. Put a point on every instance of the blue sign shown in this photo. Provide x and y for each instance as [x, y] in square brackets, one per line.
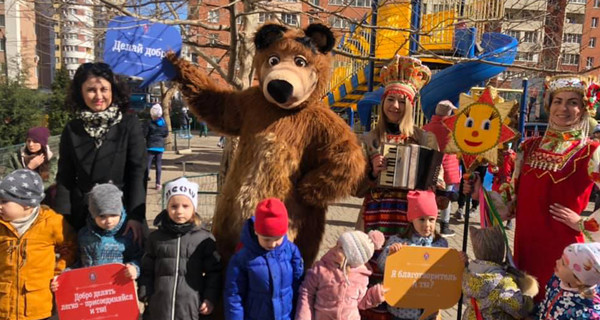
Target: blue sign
[137, 47]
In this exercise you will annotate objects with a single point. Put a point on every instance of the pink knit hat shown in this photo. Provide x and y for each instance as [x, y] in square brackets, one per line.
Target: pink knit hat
[584, 260]
[359, 247]
[421, 203]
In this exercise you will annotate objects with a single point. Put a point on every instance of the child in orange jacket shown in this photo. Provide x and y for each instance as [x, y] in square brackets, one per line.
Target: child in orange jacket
[29, 237]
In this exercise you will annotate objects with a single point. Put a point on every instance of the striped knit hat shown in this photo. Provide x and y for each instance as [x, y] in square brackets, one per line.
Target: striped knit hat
[359, 247]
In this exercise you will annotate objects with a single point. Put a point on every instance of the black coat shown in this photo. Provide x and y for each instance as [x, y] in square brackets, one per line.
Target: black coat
[155, 134]
[121, 159]
[188, 264]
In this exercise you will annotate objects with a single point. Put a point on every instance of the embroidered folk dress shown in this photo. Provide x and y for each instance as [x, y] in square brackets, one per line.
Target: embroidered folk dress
[560, 167]
[385, 209]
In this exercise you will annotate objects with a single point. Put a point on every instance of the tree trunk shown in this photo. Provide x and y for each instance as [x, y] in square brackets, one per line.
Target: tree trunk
[167, 94]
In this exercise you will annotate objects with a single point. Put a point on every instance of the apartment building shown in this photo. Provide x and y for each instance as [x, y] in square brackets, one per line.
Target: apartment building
[590, 50]
[214, 43]
[74, 34]
[18, 44]
[530, 22]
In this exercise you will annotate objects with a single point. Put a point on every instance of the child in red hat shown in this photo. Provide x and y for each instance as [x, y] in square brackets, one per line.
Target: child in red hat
[264, 276]
[422, 214]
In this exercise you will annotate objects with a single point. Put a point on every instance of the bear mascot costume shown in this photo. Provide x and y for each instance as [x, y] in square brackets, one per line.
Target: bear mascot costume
[291, 145]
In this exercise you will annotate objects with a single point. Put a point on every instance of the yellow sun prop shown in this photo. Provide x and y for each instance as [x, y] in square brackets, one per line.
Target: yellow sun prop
[479, 127]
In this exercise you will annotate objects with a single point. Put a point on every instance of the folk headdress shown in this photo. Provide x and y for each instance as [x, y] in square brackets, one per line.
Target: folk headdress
[573, 83]
[404, 75]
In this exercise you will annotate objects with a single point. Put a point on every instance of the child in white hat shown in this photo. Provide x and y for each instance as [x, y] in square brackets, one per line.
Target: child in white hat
[330, 288]
[155, 132]
[181, 269]
[572, 292]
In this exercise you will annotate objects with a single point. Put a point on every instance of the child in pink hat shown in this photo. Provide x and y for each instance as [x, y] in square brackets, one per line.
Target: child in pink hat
[422, 214]
[336, 286]
[572, 292]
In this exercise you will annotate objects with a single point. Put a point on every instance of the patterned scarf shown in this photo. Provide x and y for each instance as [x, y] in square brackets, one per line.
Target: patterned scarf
[97, 124]
[418, 240]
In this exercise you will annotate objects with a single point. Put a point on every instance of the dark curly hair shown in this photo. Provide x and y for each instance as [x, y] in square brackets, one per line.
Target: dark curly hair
[120, 92]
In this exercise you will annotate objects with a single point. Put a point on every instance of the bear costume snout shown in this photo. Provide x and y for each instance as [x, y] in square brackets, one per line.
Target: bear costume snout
[280, 90]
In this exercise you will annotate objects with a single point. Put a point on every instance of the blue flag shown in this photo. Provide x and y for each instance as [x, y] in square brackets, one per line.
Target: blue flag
[137, 48]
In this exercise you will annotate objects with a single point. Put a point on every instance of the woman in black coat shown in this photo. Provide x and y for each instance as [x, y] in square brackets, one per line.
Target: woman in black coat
[104, 143]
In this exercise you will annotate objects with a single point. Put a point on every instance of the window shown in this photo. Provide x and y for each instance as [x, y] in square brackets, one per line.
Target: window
[288, 0]
[441, 7]
[524, 56]
[2, 23]
[577, 1]
[572, 38]
[596, 3]
[514, 33]
[361, 3]
[354, 3]
[336, 22]
[290, 18]
[2, 44]
[532, 37]
[592, 43]
[264, 16]
[594, 22]
[570, 59]
[589, 62]
[213, 38]
[213, 16]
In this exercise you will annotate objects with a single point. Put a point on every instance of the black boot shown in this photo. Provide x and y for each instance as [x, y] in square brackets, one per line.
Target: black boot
[445, 230]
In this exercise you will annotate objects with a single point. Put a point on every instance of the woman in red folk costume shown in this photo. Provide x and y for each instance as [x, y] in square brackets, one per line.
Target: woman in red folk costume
[553, 178]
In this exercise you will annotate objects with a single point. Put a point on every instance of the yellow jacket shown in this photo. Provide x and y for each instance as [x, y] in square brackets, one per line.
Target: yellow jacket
[28, 264]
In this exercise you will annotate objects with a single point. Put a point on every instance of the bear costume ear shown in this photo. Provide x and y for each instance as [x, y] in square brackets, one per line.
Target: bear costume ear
[267, 34]
[321, 36]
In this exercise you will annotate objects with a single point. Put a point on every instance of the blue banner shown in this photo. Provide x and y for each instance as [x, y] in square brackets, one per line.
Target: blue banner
[137, 48]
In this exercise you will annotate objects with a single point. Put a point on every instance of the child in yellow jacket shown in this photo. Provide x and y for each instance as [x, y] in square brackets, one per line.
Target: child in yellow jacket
[36, 244]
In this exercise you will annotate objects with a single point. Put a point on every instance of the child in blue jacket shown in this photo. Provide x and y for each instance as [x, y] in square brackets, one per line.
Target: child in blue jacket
[264, 276]
[103, 239]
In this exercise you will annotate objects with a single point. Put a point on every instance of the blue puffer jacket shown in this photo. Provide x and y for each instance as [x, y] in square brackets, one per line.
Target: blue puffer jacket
[155, 132]
[98, 246]
[262, 284]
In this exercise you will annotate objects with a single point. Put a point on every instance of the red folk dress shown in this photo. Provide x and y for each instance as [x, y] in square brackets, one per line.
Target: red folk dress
[560, 167]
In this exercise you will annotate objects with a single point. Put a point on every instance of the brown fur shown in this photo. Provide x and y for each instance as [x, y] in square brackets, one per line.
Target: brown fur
[300, 152]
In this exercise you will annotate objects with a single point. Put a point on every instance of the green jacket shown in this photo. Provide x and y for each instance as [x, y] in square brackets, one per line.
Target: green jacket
[16, 162]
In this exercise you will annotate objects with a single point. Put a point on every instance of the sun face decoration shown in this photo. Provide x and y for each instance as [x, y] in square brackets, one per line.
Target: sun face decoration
[480, 127]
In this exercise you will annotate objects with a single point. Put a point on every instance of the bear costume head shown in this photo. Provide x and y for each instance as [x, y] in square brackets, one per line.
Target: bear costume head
[293, 64]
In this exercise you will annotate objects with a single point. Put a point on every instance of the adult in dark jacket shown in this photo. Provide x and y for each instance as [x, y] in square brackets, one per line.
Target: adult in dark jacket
[103, 143]
[181, 269]
[155, 132]
[262, 284]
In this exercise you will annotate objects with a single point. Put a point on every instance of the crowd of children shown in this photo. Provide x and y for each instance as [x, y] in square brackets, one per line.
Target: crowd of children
[180, 274]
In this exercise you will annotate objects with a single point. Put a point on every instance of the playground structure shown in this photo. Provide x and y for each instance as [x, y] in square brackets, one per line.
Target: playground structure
[447, 29]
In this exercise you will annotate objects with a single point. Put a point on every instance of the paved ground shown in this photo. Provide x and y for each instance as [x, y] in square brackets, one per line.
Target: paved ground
[204, 159]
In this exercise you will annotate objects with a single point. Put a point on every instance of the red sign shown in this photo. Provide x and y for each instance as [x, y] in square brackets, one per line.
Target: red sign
[102, 292]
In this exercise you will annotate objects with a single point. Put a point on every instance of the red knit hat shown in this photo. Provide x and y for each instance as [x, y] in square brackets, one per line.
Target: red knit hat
[421, 203]
[271, 218]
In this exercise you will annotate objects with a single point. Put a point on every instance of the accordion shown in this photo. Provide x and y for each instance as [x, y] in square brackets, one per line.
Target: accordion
[410, 166]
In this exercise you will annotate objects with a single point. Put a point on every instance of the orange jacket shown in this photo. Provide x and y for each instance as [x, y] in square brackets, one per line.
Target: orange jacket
[28, 264]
